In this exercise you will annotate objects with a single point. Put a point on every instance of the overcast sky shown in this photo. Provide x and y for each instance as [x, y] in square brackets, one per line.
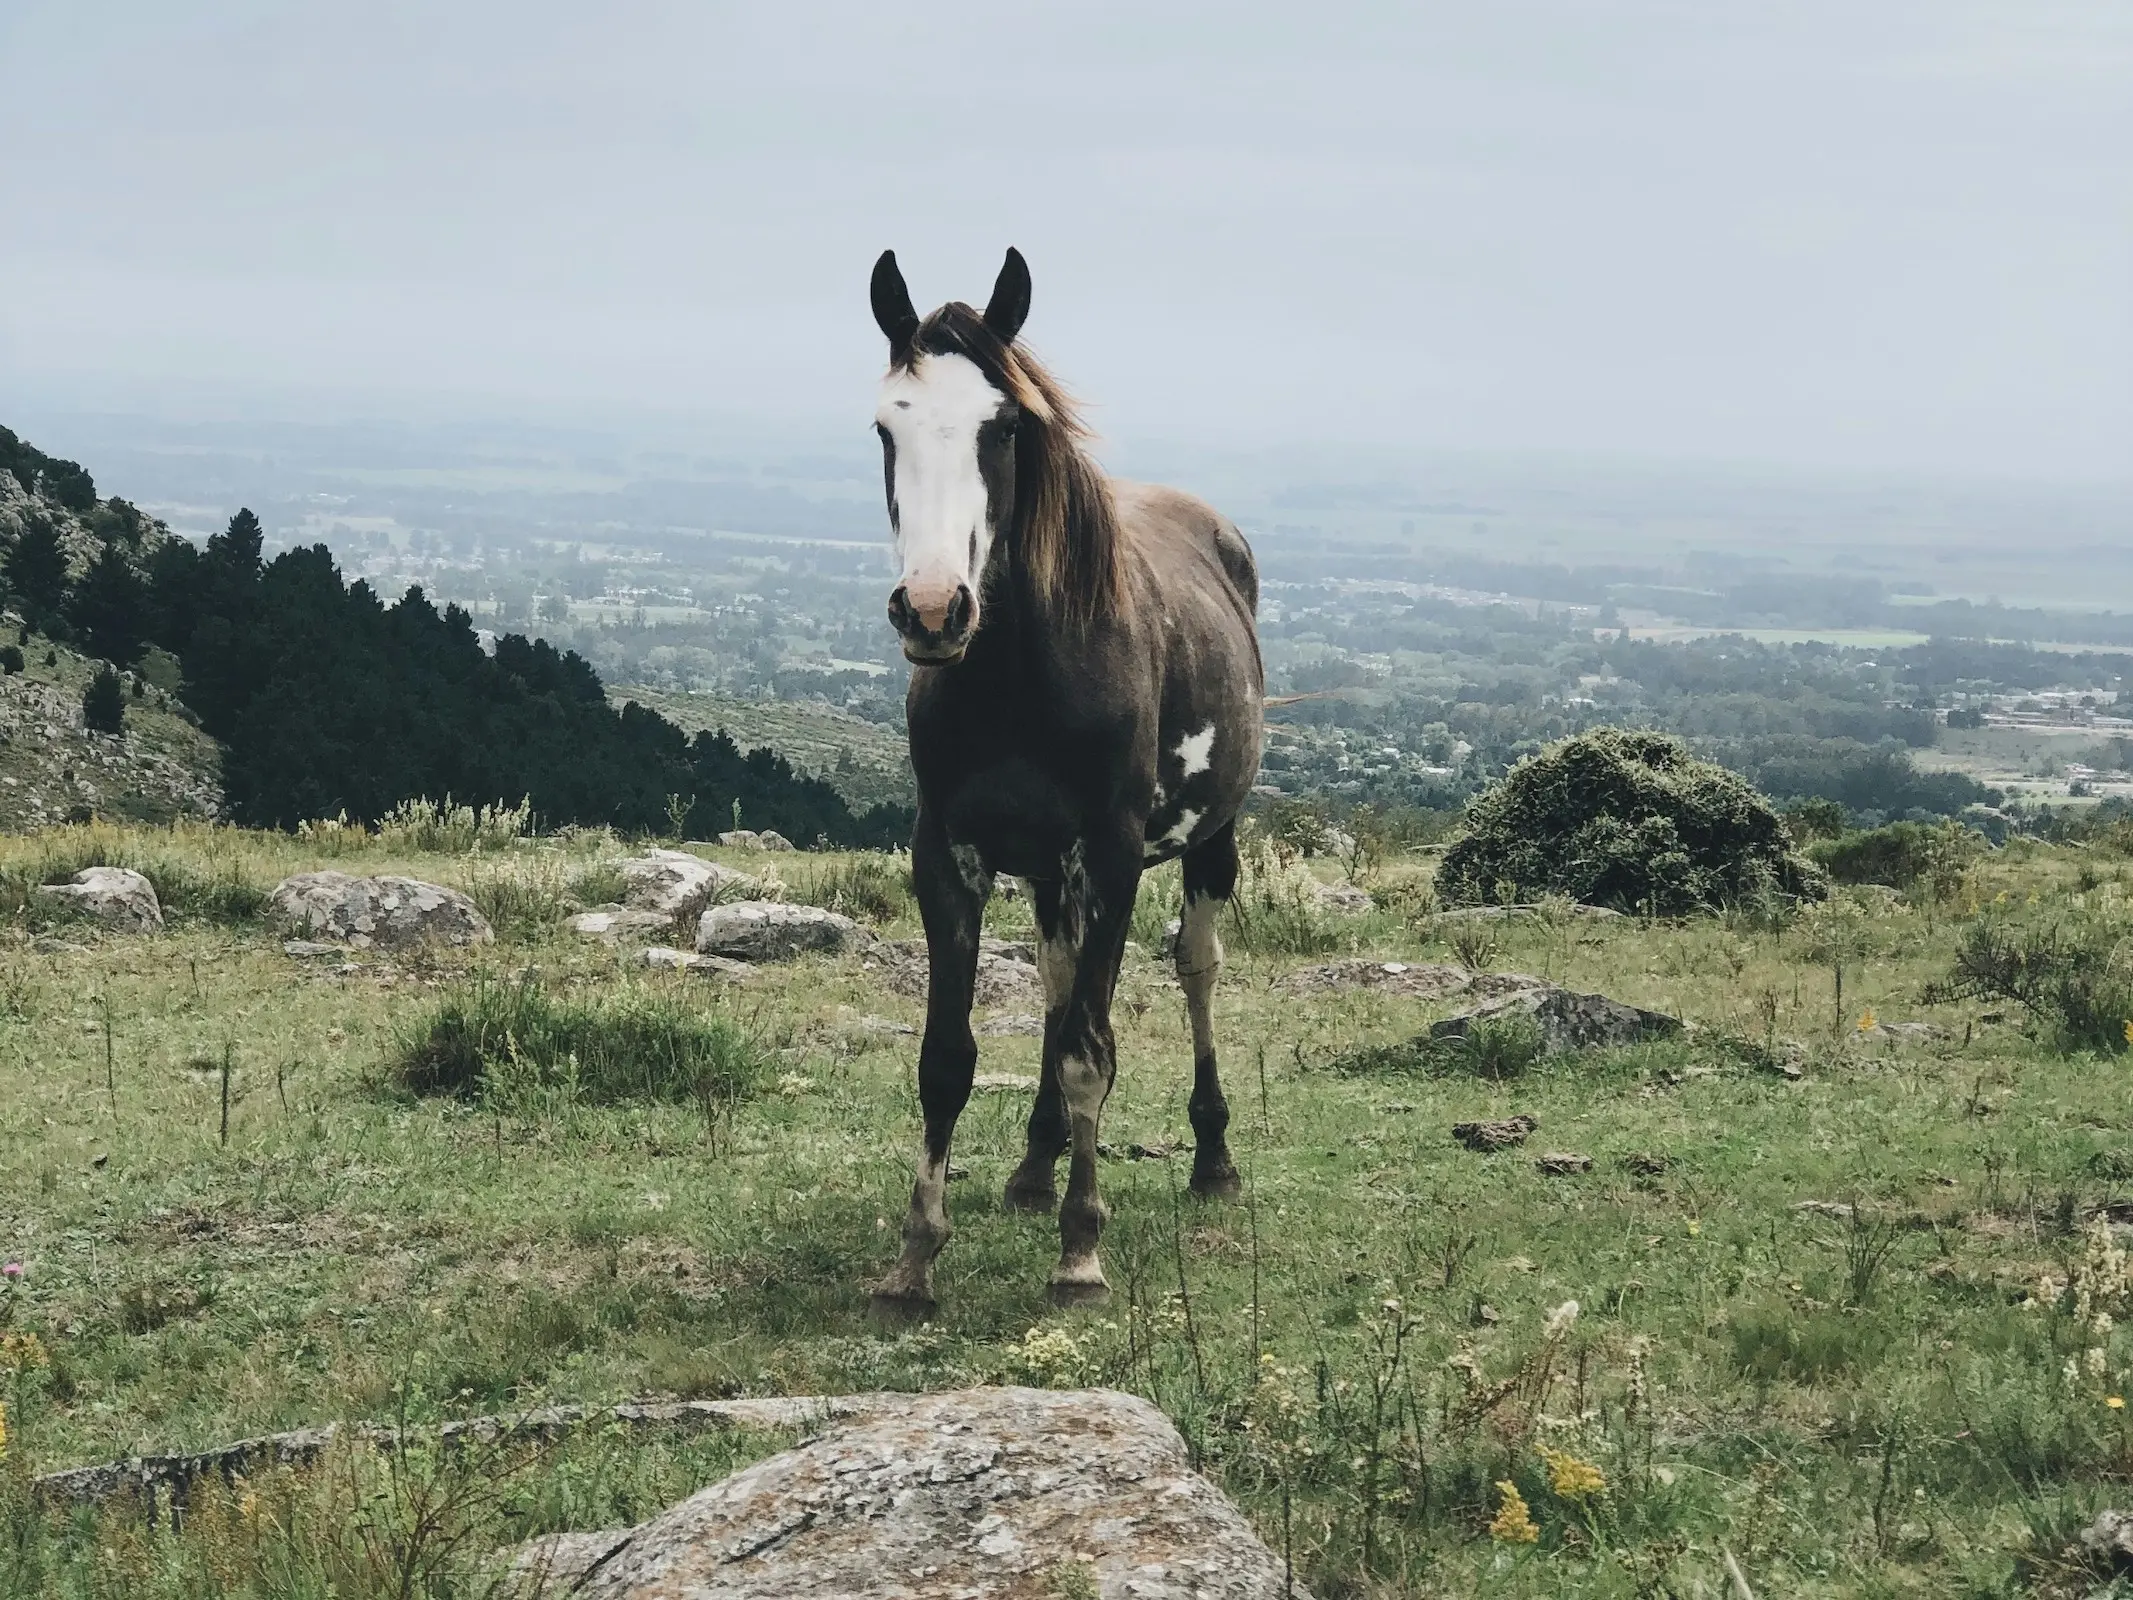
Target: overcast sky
[1892, 233]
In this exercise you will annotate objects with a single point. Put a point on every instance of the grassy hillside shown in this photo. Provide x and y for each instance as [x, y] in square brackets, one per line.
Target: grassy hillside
[159, 769]
[868, 763]
[1809, 1330]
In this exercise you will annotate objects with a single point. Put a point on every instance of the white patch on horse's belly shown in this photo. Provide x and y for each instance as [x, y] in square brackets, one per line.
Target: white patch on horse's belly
[1182, 833]
[1197, 750]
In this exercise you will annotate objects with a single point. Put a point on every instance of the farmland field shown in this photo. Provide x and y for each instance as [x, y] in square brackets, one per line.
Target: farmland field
[1810, 1328]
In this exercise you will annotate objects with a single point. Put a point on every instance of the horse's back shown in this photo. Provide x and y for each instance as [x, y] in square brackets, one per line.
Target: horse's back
[1184, 540]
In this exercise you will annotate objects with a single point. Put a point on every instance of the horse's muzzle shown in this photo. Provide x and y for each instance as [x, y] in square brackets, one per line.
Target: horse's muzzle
[935, 624]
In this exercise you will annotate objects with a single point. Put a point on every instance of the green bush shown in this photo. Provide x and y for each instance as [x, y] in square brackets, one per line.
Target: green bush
[1629, 820]
[874, 888]
[517, 1043]
[11, 661]
[103, 702]
[2074, 977]
[1899, 855]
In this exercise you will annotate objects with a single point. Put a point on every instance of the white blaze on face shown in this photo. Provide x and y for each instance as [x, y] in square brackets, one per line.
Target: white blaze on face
[932, 414]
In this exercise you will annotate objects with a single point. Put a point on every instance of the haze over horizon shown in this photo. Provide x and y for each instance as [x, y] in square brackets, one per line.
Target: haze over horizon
[1888, 238]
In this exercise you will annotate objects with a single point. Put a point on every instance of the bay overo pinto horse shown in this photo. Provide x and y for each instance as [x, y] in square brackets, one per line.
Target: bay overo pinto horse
[1085, 702]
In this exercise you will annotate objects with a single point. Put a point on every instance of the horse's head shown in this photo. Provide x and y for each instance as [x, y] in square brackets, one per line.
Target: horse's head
[948, 426]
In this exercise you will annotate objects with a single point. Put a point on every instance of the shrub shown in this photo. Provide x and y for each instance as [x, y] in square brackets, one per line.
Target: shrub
[1629, 820]
[11, 661]
[516, 1042]
[1899, 855]
[518, 904]
[876, 888]
[2074, 977]
[103, 702]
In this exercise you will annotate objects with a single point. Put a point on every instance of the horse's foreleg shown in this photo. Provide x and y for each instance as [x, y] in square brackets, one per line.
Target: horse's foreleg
[952, 887]
[1102, 879]
[1210, 877]
[1058, 949]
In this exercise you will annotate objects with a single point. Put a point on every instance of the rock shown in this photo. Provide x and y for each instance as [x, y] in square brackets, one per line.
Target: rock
[749, 839]
[1009, 1081]
[1567, 1020]
[1647, 1163]
[1344, 898]
[1010, 1025]
[1519, 912]
[118, 897]
[617, 925]
[1903, 1033]
[770, 930]
[660, 957]
[1418, 980]
[391, 913]
[1562, 1163]
[982, 1494]
[675, 884]
[309, 949]
[1488, 1136]
[2108, 1541]
[1007, 973]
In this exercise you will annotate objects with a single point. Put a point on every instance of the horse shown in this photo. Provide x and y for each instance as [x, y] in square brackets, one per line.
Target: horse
[1085, 702]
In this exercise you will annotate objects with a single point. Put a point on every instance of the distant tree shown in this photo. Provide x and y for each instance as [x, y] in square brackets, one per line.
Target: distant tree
[11, 661]
[1624, 819]
[36, 570]
[109, 608]
[103, 703]
[1816, 819]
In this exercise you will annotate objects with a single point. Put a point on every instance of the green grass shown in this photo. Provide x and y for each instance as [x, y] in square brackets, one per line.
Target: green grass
[1848, 1405]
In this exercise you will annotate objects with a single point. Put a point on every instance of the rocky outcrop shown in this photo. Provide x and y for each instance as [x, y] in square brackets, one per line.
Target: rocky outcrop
[118, 897]
[385, 913]
[1566, 1019]
[617, 923]
[770, 930]
[1007, 973]
[749, 839]
[983, 1494]
[674, 883]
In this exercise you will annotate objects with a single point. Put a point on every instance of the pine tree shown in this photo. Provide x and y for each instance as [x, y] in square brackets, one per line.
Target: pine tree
[36, 570]
[103, 703]
[110, 608]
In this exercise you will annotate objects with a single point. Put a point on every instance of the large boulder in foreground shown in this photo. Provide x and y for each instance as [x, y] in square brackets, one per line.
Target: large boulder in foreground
[770, 930]
[383, 913]
[984, 1494]
[1566, 1019]
[674, 883]
[118, 897]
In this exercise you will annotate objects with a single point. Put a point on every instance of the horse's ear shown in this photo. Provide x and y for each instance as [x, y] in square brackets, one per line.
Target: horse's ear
[1009, 305]
[892, 306]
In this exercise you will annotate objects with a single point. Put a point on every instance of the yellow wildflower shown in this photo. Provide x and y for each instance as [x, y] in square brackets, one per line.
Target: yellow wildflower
[1868, 1022]
[1514, 1523]
[1571, 1478]
[3, 1433]
[2117, 1402]
[2129, 1030]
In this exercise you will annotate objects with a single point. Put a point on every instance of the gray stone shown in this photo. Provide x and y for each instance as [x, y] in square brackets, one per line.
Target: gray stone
[770, 930]
[1499, 1135]
[982, 1494]
[749, 839]
[1007, 973]
[1522, 911]
[118, 897]
[1010, 1025]
[2108, 1541]
[674, 883]
[1562, 1163]
[771, 839]
[1425, 980]
[309, 949]
[388, 913]
[661, 958]
[1567, 1020]
[614, 925]
[1344, 898]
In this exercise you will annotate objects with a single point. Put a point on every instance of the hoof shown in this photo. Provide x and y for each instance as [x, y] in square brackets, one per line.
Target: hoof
[1223, 1185]
[1078, 1294]
[896, 1309]
[1079, 1283]
[1030, 1197]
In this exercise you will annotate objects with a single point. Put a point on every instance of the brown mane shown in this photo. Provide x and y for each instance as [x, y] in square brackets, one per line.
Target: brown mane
[1065, 534]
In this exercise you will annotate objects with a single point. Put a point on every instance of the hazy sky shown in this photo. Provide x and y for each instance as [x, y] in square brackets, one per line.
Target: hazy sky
[1851, 232]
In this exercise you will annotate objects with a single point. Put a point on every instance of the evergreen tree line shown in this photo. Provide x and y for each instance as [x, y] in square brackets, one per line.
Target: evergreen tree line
[326, 700]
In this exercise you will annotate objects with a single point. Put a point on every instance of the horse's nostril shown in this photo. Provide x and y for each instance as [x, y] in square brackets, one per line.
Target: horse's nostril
[959, 610]
[900, 617]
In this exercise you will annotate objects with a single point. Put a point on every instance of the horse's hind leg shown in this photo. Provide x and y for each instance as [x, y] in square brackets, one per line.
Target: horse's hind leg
[1210, 877]
[1032, 1188]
